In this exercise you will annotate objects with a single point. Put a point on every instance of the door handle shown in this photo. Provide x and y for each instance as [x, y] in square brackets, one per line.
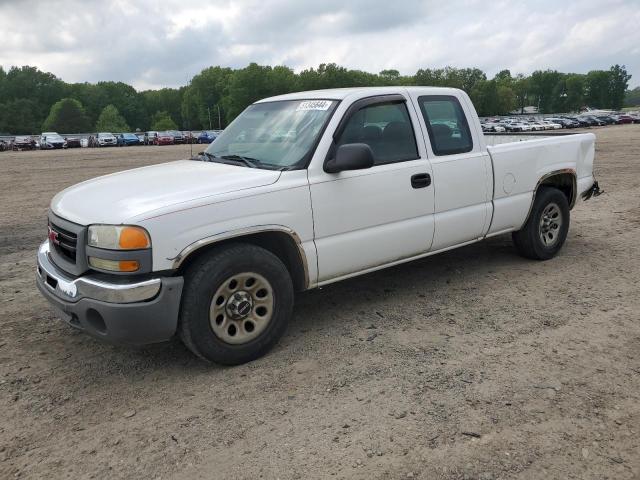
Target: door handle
[420, 180]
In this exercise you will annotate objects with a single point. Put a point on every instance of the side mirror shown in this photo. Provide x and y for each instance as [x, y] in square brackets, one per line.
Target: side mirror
[351, 156]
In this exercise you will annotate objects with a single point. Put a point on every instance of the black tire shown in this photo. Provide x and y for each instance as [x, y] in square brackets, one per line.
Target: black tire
[529, 240]
[205, 276]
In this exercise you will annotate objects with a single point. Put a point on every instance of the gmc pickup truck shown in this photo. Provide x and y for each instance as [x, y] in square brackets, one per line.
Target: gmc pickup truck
[300, 191]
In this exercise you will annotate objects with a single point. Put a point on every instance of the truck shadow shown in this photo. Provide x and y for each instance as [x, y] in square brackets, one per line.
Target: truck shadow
[342, 302]
[448, 270]
[345, 304]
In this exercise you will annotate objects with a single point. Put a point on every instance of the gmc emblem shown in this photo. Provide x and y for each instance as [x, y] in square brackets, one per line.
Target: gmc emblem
[53, 236]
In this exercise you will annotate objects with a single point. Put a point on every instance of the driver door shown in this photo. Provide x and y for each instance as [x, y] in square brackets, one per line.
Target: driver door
[364, 219]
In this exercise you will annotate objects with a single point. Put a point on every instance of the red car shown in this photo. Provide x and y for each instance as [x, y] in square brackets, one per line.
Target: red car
[164, 138]
[625, 119]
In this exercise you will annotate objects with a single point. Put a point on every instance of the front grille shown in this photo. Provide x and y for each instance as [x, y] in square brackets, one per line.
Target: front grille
[64, 242]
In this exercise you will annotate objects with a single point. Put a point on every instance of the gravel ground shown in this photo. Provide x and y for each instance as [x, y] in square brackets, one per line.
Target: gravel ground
[473, 364]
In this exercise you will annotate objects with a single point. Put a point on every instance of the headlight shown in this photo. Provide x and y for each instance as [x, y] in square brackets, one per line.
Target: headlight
[118, 237]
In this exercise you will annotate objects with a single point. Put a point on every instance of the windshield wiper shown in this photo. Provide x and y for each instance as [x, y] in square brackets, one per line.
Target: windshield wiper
[232, 159]
[208, 157]
[248, 161]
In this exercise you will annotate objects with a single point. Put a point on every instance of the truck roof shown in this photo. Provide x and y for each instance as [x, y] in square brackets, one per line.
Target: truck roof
[342, 93]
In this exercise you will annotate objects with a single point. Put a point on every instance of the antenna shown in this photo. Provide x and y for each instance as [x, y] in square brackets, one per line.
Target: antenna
[187, 122]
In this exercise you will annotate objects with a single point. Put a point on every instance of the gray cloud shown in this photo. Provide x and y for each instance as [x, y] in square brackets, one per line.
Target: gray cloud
[153, 43]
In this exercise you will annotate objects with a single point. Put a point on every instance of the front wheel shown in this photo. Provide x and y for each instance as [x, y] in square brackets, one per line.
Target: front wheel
[545, 231]
[236, 304]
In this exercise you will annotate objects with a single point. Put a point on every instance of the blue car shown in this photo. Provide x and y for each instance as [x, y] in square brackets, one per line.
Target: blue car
[207, 136]
[127, 139]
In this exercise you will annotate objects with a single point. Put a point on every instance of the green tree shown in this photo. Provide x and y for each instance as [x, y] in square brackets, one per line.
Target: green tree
[189, 110]
[632, 98]
[491, 98]
[574, 89]
[430, 77]
[92, 97]
[466, 79]
[126, 99]
[618, 83]
[597, 89]
[204, 96]
[28, 82]
[27, 94]
[165, 100]
[110, 120]
[506, 101]
[542, 85]
[3, 81]
[162, 121]
[20, 117]
[521, 86]
[504, 77]
[67, 116]
[253, 83]
[390, 77]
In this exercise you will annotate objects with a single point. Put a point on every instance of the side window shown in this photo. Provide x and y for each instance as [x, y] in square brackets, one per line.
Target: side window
[386, 128]
[447, 124]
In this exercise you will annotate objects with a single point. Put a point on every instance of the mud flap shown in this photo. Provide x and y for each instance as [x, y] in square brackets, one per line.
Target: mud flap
[594, 191]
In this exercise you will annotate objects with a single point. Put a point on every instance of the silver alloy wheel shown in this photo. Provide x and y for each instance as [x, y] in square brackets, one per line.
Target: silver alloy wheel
[550, 224]
[241, 308]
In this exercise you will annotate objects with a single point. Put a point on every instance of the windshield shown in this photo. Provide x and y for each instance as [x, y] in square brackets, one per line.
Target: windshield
[274, 134]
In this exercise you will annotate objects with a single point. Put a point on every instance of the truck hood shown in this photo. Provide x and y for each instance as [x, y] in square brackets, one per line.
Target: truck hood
[123, 196]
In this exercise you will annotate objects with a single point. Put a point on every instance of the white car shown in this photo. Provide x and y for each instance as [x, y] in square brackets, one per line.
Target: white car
[551, 125]
[518, 127]
[106, 139]
[537, 126]
[214, 248]
[51, 140]
[492, 127]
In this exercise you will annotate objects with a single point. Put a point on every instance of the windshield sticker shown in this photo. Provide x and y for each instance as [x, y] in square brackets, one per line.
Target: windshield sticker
[314, 105]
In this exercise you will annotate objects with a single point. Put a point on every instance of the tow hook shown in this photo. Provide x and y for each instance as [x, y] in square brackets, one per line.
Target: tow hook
[594, 191]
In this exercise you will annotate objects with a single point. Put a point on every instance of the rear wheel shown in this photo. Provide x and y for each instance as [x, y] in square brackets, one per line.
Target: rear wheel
[236, 304]
[545, 231]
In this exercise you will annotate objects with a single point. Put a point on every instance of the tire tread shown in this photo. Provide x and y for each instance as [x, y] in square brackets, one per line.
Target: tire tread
[527, 241]
[199, 273]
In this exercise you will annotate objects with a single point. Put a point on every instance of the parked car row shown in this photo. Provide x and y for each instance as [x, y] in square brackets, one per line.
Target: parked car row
[512, 124]
[46, 141]
[53, 140]
[169, 137]
[172, 137]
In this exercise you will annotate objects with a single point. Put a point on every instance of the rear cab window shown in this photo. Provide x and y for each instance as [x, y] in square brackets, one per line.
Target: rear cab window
[447, 124]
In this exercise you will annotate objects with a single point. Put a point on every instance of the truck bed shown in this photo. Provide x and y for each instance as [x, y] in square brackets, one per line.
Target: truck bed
[519, 161]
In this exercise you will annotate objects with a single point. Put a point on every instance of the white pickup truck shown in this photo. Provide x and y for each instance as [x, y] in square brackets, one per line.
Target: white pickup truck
[301, 190]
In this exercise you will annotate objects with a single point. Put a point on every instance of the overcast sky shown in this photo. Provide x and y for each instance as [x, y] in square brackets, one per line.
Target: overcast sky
[157, 43]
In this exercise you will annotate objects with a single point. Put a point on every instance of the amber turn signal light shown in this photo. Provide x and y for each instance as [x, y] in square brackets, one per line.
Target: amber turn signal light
[114, 265]
[132, 238]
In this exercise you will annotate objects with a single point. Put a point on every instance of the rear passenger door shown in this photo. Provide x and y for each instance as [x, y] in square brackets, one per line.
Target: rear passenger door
[367, 218]
[462, 174]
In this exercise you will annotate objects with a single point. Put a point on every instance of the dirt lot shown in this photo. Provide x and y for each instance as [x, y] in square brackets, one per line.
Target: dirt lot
[471, 364]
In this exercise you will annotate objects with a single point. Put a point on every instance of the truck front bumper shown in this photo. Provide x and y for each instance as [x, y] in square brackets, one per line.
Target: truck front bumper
[119, 310]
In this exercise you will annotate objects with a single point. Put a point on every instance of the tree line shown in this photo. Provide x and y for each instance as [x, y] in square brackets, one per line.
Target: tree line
[32, 101]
